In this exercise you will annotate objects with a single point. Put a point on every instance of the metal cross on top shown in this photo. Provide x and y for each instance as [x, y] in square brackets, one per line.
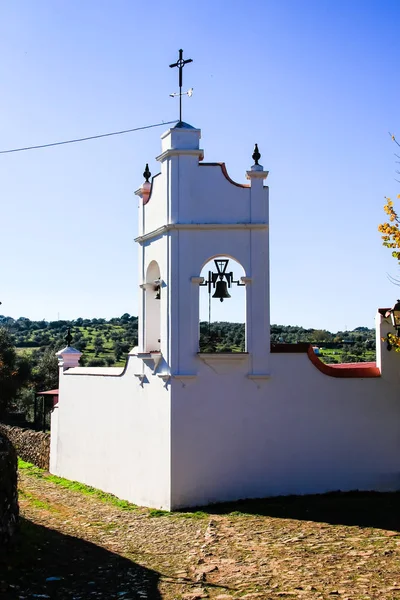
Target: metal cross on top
[68, 337]
[180, 63]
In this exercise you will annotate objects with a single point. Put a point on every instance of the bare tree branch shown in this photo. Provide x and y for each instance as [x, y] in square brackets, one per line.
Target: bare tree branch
[393, 280]
[394, 139]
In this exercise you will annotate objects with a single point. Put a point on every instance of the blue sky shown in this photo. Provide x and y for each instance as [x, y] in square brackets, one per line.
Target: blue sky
[315, 83]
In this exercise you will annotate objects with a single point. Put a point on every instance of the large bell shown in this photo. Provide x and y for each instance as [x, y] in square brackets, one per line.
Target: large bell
[221, 291]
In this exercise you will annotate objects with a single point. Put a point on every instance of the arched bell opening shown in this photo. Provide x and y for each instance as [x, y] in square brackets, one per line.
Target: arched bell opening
[153, 308]
[222, 305]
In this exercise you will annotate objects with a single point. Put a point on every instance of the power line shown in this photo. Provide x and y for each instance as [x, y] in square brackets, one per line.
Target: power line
[92, 137]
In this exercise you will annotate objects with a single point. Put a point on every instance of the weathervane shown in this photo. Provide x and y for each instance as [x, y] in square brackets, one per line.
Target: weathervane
[180, 63]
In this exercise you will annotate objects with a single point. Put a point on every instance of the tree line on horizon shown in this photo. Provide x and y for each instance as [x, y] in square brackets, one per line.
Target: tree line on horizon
[121, 333]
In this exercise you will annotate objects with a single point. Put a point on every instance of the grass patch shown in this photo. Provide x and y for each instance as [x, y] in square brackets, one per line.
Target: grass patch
[88, 490]
[199, 514]
[34, 501]
[30, 468]
[75, 486]
[155, 512]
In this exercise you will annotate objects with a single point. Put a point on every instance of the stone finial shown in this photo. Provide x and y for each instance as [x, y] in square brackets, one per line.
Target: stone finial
[68, 357]
[147, 173]
[144, 191]
[256, 170]
[256, 155]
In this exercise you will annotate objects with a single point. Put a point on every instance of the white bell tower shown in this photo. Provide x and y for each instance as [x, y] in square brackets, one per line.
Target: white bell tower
[190, 213]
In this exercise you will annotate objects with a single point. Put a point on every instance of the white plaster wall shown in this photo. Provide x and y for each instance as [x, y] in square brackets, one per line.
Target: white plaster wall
[114, 434]
[219, 435]
[155, 212]
[189, 191]
[299, 432]
[186, 138]
[210, 198]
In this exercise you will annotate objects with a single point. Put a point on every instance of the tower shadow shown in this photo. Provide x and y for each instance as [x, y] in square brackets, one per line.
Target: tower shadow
[45, 563]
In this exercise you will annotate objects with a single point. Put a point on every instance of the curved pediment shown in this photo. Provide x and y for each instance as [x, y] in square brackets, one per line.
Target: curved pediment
[223, 168]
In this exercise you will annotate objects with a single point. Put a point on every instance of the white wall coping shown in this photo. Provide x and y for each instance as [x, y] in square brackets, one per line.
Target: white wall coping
[223, 356]
[257, 174]
[201, 226]
[179, 151]
[113, 371]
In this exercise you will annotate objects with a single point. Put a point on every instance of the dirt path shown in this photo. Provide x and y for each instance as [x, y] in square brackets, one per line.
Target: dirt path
[346, 547]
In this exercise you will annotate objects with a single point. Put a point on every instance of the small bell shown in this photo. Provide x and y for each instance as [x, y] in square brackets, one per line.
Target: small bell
[221, 291]
[157, 289]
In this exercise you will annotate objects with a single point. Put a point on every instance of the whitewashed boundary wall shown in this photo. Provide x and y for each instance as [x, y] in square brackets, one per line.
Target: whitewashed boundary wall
[223, 435]
[111, 430]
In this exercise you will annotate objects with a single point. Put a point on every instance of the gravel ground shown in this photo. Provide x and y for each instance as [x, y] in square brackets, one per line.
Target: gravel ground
[76, 546]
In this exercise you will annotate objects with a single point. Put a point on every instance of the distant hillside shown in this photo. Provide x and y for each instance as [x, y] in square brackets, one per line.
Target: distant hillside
[105, 342]
[343, 346]
[101, 342]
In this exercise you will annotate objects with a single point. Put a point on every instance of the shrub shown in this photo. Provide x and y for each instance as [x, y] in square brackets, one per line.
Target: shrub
[96, 362]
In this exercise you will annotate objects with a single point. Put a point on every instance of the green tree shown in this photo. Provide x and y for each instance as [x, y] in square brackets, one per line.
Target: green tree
[98, 345]
[46, 371]
[13, 372]
[321, 335]
[118, 352]
[80, 344]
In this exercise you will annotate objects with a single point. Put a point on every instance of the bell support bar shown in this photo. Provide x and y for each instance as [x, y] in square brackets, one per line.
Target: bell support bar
[221, 274]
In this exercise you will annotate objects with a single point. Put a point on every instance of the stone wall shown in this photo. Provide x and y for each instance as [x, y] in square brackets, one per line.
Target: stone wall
[8, 490]
[32, 446]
